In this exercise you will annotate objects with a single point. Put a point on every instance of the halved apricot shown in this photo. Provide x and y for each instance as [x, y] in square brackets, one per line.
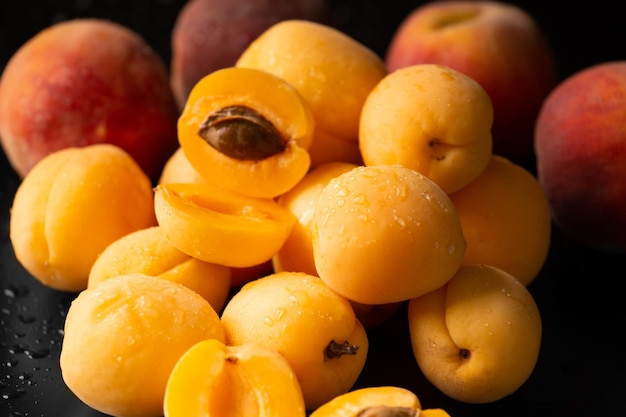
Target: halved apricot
[382, 401]
[220, 226]
[215, 379]
[248, 131]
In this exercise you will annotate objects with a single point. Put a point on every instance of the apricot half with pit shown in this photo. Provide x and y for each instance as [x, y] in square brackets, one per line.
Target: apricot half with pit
[248, 131]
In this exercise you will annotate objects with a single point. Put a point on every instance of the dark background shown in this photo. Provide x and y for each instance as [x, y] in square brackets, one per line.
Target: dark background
[582, 365]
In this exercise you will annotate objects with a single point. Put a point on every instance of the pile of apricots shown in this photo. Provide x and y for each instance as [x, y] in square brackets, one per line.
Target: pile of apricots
[313, 194]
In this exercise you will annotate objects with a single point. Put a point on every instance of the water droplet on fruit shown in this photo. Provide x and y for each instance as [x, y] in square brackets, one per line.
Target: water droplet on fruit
[451, 249]
[268, 321]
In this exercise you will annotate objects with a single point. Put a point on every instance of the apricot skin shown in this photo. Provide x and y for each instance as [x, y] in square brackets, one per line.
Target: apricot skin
[71, 206]
[124, 336]
[87, 81]
[149, 252]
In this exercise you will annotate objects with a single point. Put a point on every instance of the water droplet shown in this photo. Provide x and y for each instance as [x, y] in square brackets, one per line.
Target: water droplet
[13, 394]
[451, 249]
[268, 321]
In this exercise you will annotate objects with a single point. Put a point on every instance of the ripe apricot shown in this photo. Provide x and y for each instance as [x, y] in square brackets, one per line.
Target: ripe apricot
[124, 336]
[213, 379]
[383, 401]
[248, 131]
[296, 254]
[178, 169]
[279, 311]
[72, 205]
[477, 338]
[219, 226]
[149, 252]
[432, 119]
[332, 71]
[385, 234]
[506, 221]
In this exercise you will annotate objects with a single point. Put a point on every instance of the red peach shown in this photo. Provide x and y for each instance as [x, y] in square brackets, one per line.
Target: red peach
[87, 81]
[580, 143]
[211, 34]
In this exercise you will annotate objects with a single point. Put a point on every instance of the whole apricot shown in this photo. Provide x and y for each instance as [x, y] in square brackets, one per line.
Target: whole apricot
[506, 221]
[296, 254]
[477, 338]
[178, 169]
[71, 206]
[384, 234]
[430, 118]
[148, 251]
[279, 311]
[87, 81]
[123, 337]
[333, 72]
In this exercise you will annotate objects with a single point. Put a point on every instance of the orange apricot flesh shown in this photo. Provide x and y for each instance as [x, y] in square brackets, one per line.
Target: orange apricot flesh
[219, 226]
[214, 379]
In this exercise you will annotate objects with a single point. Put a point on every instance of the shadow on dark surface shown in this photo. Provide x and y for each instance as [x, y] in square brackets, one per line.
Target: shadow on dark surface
[581, 366]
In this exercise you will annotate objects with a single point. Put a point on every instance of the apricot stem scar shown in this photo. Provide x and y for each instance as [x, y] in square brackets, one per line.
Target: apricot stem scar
[388, 411]
[464, 353]
[335, 350]
[241, 132]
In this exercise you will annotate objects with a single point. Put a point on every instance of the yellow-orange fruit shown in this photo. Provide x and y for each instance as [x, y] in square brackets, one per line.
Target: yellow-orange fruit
[148, 251]
[248, 131]
[124, 336]
[385, 234]
[71, 206]
[506, 221]
[215, 379]
[220, 226]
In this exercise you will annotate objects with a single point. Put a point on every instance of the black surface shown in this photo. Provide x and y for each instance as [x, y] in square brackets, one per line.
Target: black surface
[581, 368]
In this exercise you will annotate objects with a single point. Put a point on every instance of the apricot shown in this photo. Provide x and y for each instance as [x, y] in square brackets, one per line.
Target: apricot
[221, 227]
[178, 169]
[383, 401]
[430, 118]
[477, 338]
[333, 72]
[248, 131]
[123, 337]
[279, 311]
[506, 221]
[209, 35]
[296, 254]
[385, 234]
[149, 252]
[71, 206]
[87, 81]
[213, 379]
